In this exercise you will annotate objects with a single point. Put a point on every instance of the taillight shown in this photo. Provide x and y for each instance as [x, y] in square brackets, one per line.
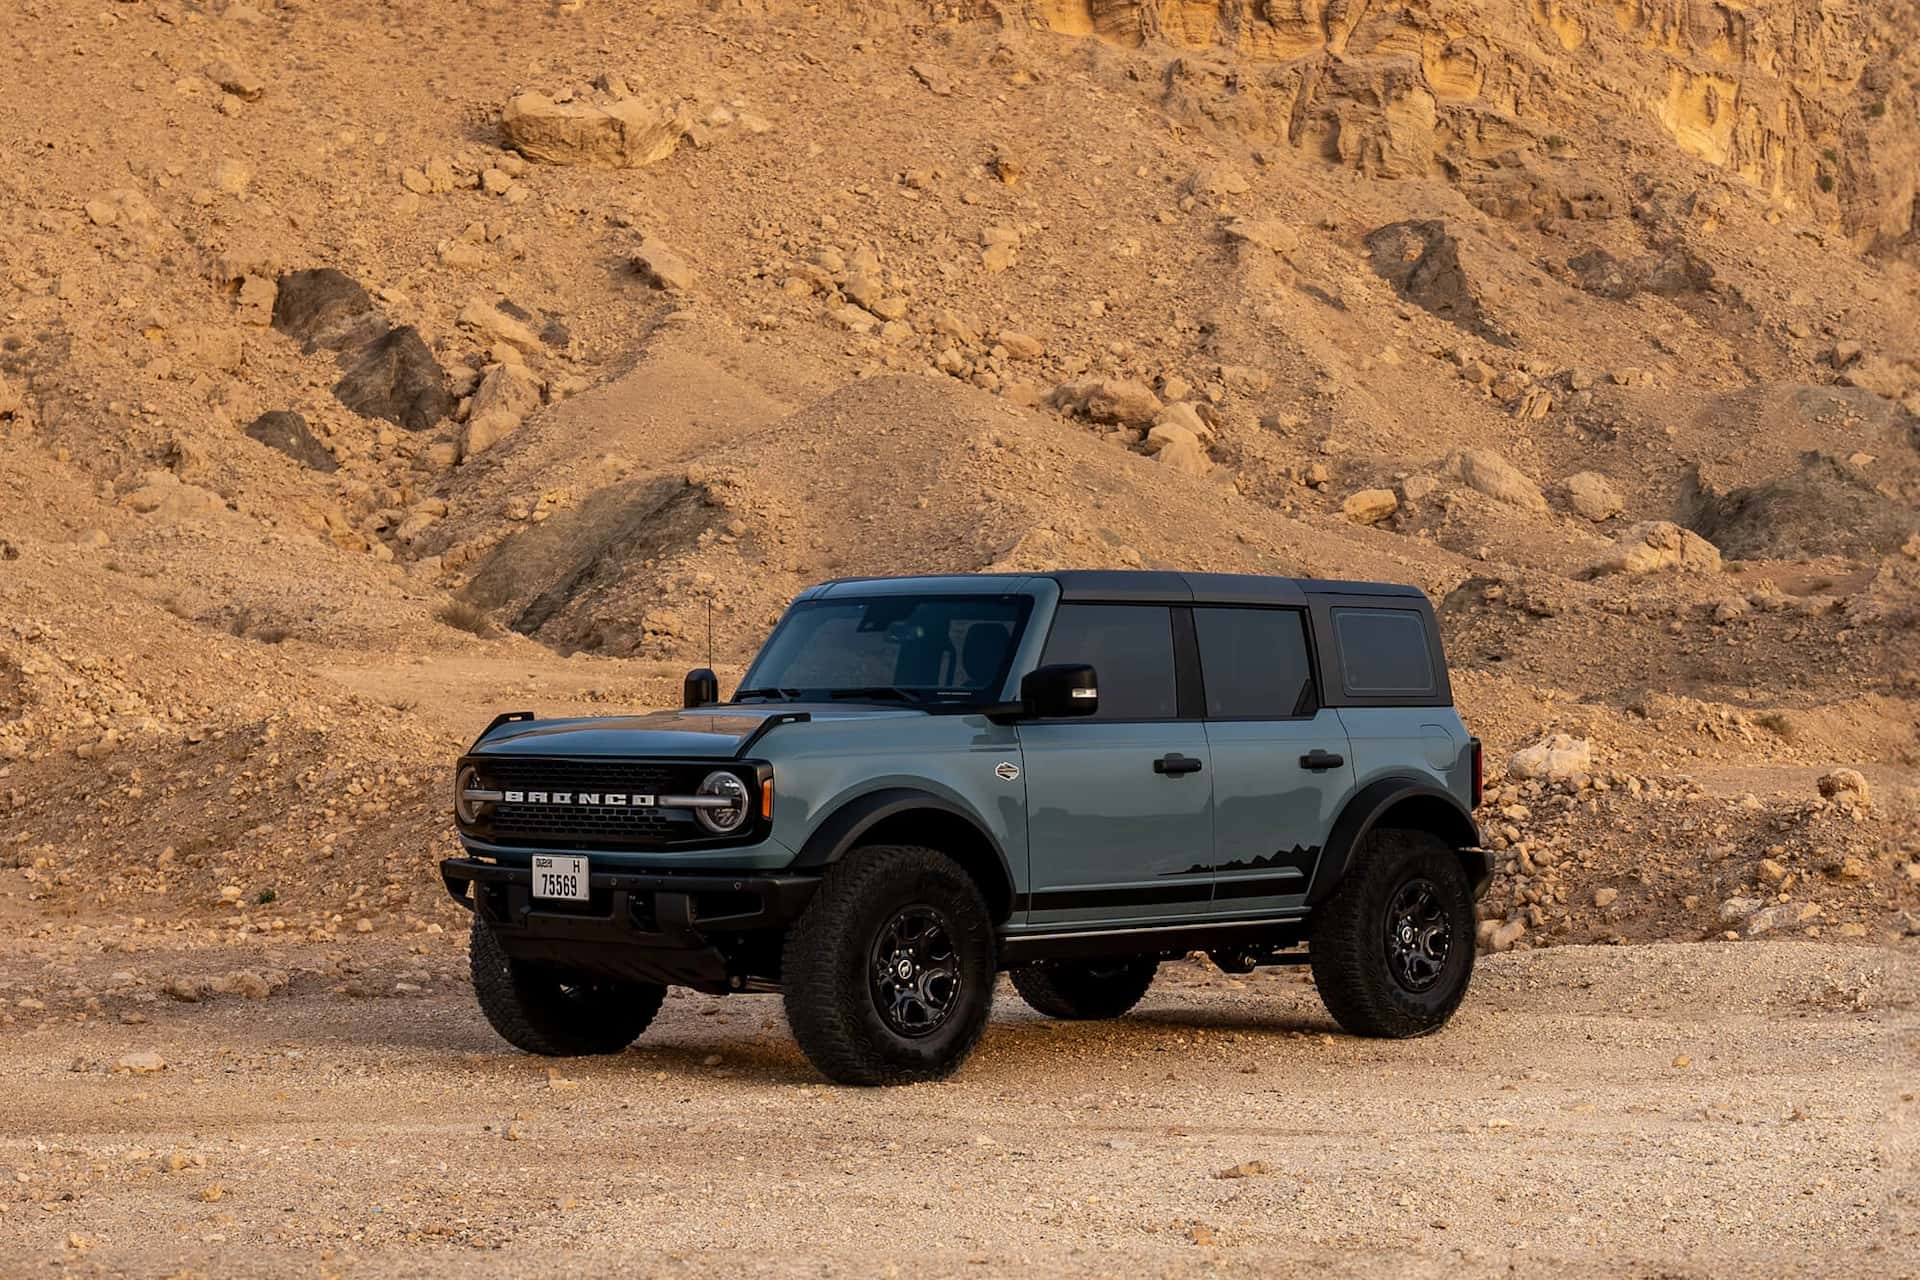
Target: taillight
[1477, 775]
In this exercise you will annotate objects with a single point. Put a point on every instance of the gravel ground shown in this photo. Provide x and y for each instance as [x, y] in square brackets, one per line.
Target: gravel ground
[1685, 1110]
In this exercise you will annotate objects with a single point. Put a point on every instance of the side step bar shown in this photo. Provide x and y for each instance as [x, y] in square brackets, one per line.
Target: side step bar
[1260, 935]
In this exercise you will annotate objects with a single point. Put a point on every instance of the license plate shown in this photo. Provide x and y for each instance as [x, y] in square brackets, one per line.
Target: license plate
[558, 877]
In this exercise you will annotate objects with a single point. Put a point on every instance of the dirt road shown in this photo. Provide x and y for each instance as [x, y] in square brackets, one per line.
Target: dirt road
[1674, 1110]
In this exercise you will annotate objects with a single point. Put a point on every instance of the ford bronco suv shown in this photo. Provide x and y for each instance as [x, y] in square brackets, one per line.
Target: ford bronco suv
[923, 781]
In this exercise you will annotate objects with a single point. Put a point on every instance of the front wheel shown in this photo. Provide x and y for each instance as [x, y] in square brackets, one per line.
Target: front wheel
[888, 973]
[1392, 949]
[556, 1014]
[1085, 989]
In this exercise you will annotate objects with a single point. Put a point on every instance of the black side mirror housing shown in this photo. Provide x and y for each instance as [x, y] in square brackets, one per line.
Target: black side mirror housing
[701, 688]
[1062, 689]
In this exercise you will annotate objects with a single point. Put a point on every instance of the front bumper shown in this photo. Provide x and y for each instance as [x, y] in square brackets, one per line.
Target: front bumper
[710, 932]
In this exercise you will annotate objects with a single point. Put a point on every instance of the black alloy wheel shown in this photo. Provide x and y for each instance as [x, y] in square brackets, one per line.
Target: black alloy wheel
[1419, 935]
[917, 980]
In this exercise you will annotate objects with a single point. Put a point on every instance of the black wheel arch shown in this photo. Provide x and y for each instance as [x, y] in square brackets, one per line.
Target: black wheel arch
[911, 816]
[1402, 803]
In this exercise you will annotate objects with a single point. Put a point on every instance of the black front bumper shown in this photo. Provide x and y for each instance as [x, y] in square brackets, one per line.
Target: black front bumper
[710, 932]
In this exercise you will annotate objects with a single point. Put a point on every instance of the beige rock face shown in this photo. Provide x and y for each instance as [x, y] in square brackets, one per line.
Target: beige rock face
[1491, 474]
[625, 133]
[1592, 495]
[1370, 506]
[1559, 758]
[1657, 546]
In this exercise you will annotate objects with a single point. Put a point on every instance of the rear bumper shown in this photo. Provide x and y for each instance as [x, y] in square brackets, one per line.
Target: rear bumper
[710, 932]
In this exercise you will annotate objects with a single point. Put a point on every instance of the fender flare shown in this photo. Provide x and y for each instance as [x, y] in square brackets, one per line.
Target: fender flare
[844, 828]
[1370, 804]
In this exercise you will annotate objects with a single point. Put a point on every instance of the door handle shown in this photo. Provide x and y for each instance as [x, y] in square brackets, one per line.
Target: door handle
[1175, 764]
[1318, 760]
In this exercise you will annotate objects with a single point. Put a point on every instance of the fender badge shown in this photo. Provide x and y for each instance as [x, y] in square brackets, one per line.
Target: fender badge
[1007, 770]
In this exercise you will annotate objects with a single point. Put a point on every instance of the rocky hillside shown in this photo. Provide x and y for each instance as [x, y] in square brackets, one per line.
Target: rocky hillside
[365, 370]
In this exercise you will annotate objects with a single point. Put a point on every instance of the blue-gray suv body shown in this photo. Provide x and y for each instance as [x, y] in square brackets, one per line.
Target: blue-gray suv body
[923, 781]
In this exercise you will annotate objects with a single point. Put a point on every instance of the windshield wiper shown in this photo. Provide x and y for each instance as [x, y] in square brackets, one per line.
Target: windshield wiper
[776, 694]
[877, 692]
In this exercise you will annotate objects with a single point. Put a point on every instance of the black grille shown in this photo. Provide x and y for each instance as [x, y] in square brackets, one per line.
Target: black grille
[590, 826]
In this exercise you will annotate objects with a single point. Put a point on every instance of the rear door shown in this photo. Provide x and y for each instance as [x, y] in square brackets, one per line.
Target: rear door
[1281, 766]
[1120, 804]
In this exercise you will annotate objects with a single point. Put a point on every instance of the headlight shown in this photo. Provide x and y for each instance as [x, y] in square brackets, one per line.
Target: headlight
[471, 797]
[728, 818]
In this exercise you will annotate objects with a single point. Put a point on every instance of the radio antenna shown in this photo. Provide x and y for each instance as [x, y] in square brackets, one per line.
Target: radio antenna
[709, 629]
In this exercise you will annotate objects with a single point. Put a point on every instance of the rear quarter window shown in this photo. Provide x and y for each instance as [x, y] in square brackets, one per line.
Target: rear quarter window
[1384, 653]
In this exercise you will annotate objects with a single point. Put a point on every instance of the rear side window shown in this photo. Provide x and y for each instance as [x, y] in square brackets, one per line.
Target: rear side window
[1384, 652]
[1131, 650]
[1254, 663]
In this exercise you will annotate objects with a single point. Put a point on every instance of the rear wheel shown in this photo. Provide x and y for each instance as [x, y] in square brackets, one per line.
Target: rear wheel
[550, 1012]
[1085, 989]
[889, 971]
[1392, 949]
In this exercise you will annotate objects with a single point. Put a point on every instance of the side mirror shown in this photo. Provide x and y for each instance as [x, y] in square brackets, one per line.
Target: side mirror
[701, 688]
[1063, 689]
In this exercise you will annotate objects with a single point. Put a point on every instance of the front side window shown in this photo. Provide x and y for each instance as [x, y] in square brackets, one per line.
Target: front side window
[1130, 648]
[940, 650]
[1254, 663]
[1384, 652]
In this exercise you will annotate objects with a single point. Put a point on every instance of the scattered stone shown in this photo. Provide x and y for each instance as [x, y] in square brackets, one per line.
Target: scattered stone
[396, 378]
[256, 300]
[1592, 495]
[936, 80]
[1560, 758]
[494, 325]
[1162, 434]
[506, 388]
[1605, 897]
[625, 133]
[1370, 506]
[1187, 456]
[1846, 787]
[1270, 234]
[1489, 473]
[1021, 346]
[483, 431]
[324, 307]
[1781, 915]
[287, 431]
[1245, 1169]
[237, 80]
[1128, 403]
[1656, 546]
[144, 1063]
[1218, 180]
[662, 268]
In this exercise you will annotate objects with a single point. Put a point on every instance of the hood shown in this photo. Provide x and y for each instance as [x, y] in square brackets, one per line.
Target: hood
[705, 733]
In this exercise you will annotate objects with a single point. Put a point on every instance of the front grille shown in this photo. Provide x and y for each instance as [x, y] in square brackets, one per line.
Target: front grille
[590, 826]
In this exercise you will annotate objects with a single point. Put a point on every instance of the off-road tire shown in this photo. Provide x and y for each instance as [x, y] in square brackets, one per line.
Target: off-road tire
[828, 967]
[1349, 947]
[1085, 989]
[548, 1012]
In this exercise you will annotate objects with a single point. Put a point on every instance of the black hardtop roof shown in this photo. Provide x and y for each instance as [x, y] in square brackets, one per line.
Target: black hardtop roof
[1171, 586]
[1210, 588]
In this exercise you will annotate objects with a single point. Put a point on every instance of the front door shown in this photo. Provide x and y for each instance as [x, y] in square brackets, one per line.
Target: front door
[1119, 804]
[1281, 765]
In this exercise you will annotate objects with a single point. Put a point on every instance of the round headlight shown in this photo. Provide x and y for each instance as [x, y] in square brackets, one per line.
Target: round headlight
[465, 785]
[728, 819]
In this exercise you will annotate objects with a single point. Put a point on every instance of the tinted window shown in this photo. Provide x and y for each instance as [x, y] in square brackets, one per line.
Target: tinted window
[1131, 649]
[1383, 652]
[1254, 662]
[944, 648]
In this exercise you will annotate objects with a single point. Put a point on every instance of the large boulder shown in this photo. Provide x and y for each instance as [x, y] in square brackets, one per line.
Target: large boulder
[624, 133]
[1658, 546]
[1560, 758]
[506, 388]
[325, 307]
[397, 378]
[1592, 495]
[287, 431]
[1489, 473]
[1423, 263]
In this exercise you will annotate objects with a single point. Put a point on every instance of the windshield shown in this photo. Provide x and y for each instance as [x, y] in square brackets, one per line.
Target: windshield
[932, 650]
